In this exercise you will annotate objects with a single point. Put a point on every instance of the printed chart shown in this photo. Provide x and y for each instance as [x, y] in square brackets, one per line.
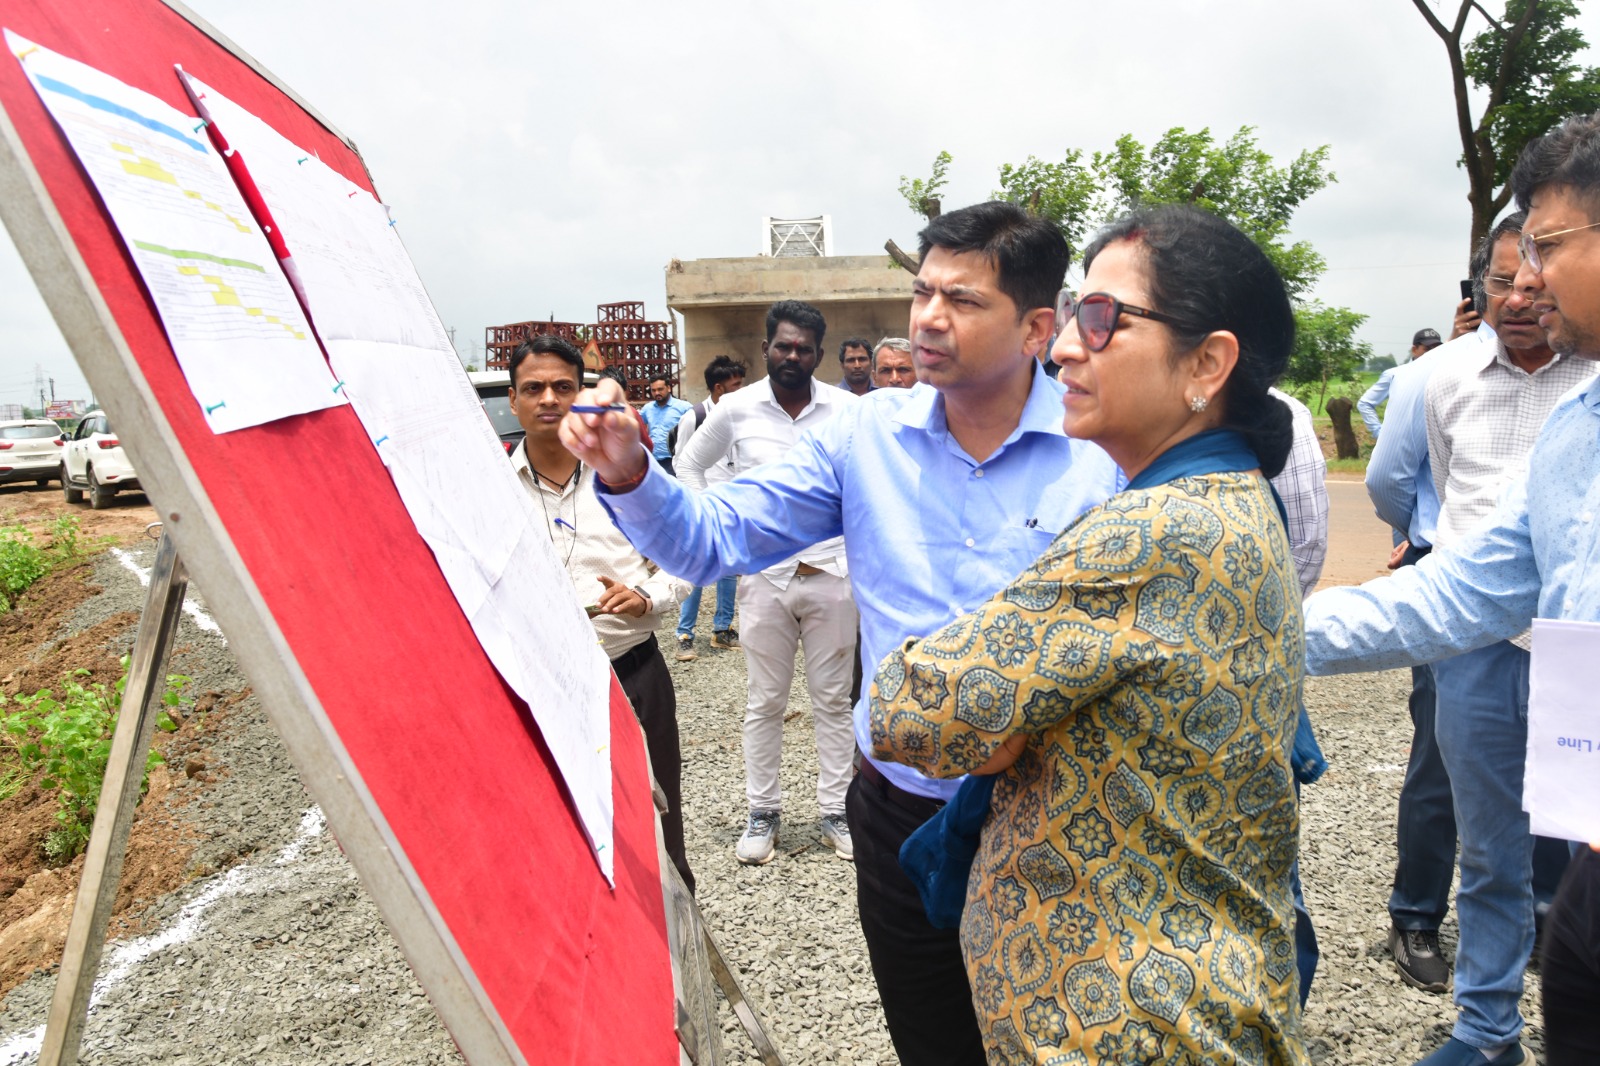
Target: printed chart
[234, 323]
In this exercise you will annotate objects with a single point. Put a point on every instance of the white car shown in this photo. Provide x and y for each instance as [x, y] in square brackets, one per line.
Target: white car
[30, 450]
[94, 463]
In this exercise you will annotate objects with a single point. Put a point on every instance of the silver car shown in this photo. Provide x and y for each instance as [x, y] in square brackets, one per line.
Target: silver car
[30, 450]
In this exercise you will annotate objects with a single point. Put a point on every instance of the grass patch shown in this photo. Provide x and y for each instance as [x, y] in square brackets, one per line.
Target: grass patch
[70, 737]
[22, 562]
[1348, 466]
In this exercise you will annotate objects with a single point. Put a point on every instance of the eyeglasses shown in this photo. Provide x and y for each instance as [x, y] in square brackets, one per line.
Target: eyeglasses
[1097, 315]
[1496, 286]
[1528, 245]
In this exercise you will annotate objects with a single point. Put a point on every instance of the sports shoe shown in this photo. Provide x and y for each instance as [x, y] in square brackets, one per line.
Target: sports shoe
[836, 834]
[1457, 1053]
[686, 649]
[760, 841]
[725, 638]
[1416, 955]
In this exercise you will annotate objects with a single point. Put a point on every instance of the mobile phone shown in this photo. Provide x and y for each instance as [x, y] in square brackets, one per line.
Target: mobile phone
[1466, 289]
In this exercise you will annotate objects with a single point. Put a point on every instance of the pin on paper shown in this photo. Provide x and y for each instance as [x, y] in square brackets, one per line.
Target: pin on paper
[203, 124]
[380, 440]
[352, 194]
[302, 159]
[339, 386]
[392, 221]
[213, 407]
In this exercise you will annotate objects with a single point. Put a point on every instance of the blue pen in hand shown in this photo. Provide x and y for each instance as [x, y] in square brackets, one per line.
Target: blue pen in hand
[592, 409]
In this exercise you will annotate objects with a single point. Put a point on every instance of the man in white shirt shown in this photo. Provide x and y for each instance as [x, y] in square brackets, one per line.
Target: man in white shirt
[623, 594]
[1483, 410]
[723, 375]
[803, 600]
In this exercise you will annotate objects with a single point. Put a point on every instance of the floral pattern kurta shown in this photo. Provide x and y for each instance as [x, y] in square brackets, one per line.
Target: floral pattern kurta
[1129, 902]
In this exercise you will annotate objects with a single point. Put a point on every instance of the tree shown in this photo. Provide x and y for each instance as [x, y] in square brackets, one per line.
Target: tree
[1237, 179]
[1524, 61]
[1325, 349]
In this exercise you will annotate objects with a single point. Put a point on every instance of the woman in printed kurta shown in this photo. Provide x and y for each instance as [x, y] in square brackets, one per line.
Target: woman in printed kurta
[1129, 902]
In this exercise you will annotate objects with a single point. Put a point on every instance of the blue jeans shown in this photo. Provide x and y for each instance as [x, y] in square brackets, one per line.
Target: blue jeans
[689, 613]
[1483, 737]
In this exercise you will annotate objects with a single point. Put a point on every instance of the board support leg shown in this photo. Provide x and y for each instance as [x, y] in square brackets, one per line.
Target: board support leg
[119, 796]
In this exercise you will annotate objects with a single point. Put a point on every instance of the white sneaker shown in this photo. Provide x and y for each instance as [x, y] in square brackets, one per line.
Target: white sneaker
[760, 841]
[836, 834]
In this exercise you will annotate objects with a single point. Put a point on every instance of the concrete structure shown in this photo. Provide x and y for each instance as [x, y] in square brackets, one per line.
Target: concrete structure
[724, 306]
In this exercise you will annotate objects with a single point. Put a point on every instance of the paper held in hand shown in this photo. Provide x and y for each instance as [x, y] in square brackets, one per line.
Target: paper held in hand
[1561, 789]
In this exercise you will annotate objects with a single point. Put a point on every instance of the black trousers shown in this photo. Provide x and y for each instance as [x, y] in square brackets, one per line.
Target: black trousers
[921, 976]
[648, 686]
[1570, 969]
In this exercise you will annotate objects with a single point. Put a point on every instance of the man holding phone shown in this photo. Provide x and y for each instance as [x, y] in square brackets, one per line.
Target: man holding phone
[623, 594]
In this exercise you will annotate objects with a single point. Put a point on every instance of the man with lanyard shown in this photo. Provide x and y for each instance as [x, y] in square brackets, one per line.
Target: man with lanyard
[624, 596]
[943, 493]
[1530, 558]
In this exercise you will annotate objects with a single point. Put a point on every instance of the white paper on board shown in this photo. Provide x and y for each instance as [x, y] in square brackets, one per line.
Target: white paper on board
[406, 385]
[1561, 785]
[232, 319]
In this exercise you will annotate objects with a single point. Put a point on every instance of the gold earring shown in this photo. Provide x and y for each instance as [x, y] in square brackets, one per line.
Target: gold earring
[1198, 404]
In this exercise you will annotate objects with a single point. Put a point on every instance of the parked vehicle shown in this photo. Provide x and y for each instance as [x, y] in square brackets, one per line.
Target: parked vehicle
[30, 450]
[95, 463]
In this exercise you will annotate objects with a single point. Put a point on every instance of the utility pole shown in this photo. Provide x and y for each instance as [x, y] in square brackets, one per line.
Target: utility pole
[52, 390]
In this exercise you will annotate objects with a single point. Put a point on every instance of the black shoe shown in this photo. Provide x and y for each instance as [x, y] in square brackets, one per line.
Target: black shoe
[1416, 956]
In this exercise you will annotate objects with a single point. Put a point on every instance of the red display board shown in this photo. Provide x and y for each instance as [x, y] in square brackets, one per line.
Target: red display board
[571, 970]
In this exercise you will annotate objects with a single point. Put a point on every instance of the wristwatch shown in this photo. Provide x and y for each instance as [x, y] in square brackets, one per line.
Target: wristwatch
[648, 602]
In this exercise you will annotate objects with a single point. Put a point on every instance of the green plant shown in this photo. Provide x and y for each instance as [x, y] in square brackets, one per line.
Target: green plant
[22, 562]
[70, 737]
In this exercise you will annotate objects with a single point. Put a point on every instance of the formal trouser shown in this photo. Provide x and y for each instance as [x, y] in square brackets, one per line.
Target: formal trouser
[689, 613]
[1569, 972]
[815, 611]
[1425, 833]
[646, 682]
[1483, 738]
[920, 972]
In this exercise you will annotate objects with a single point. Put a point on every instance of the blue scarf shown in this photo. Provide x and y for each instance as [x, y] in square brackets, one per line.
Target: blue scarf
[938, 856]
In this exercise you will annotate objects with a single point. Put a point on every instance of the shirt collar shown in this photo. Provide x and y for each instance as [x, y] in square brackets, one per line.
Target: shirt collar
[1590, 396]
[1041, 413]
[825, 395]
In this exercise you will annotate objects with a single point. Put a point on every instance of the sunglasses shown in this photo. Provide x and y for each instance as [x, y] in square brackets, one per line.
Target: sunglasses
[1097, 315]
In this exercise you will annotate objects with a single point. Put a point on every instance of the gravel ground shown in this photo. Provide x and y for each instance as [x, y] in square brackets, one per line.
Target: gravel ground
[282, 957]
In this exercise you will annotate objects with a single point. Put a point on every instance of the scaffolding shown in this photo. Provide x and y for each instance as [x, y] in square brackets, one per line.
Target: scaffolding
[641, 349]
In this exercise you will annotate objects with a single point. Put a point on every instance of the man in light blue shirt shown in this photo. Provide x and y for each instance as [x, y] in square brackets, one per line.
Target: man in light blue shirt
[1422, 343]
[943, 494]
[1401, 486]
[1532, 559]
[661, 414]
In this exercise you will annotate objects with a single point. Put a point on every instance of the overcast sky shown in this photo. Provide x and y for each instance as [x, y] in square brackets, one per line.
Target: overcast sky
[545, 158]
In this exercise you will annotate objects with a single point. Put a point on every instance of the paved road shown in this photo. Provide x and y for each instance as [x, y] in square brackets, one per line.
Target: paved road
[1358, 542]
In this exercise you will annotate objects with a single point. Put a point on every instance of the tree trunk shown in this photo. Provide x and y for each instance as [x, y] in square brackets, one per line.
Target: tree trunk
[1344, 438]
[899, 255]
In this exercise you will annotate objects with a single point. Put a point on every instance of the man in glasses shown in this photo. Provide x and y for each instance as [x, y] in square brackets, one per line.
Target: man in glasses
[1483, 410]
[943, 495]
[1529, 557]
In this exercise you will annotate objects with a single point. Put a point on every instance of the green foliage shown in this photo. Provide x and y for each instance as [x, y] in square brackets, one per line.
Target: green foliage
[920, 194]
[1325, 349]
[1238, 180]
[70, 737]
[22, 562]
[1063, 193]
[1541, 85]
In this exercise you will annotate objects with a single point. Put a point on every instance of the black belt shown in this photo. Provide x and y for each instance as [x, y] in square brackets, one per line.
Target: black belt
[635, 657]
[893, 793]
